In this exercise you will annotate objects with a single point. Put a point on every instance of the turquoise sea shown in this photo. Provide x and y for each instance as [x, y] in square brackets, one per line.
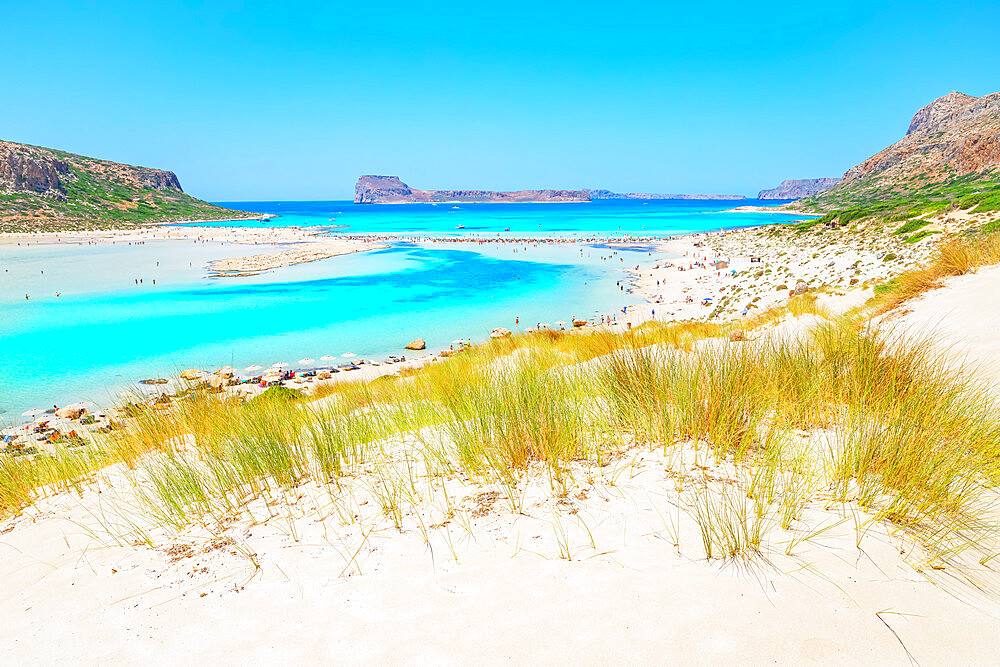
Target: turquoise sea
[104, 332]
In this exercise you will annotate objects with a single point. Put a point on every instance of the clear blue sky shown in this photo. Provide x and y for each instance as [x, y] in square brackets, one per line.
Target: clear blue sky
[253, 100]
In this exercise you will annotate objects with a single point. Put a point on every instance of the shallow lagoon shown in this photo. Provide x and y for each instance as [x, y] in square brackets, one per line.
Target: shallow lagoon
[104, 332]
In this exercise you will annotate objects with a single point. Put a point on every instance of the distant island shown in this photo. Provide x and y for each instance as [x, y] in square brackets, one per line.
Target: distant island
[608, 194]
[48, 189]
[373, 189]
[797, 188]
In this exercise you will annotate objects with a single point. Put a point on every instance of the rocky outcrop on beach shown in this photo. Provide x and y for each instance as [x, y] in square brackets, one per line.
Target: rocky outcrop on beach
[951, 143]
[608, 194]
[48, 188]
[371, 189]
[797, 188]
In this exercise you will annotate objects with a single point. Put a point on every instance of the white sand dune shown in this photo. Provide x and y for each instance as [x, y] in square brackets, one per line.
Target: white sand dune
[614, 570]
[963, 317]
[366, 592]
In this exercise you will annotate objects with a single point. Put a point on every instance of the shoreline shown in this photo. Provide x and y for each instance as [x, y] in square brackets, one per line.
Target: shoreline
[841, 269]
[690, 286]
[406, 536]
[316, 248]
[770, 209]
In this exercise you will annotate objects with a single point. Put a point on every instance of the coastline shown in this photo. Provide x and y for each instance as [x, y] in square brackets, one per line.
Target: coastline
[688, 287]
[402, 533]
[781, 208]
[307, 243]
[840, 268]
[343, 557]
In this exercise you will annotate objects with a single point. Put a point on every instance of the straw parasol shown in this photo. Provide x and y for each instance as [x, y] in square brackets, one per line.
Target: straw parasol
[348, 355]
[32, 412]
[254, 367]
[279, 364]
[327, 357]
[306, 360]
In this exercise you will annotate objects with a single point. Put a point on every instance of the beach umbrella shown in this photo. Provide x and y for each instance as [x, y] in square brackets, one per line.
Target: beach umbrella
[327, 357]
[225, 370]
[32, 412]
[279, 364]
[254, 367]
[307, 360]
[458, 341]
[560, 323]
[348, 355]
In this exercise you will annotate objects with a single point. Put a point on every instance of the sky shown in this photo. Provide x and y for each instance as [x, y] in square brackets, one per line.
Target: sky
[268, 101]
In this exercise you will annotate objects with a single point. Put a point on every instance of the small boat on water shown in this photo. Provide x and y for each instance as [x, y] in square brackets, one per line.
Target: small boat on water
[506, 229]
[460, 227]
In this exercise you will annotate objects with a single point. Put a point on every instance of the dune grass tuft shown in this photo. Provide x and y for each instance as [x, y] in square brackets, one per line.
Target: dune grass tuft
[845, 413]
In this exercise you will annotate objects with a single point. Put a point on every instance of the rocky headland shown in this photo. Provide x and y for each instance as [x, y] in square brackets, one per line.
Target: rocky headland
[47, 189]
[951, 151]
[797, 188]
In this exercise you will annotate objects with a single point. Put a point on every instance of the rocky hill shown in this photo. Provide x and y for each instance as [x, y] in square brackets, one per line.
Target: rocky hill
[951, 150]
[797, 188]
[372, 189]
[43, 188]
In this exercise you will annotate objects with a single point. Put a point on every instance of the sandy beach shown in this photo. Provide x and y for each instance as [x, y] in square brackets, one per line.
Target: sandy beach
[465, 574]
[296, 244]
[459, 571]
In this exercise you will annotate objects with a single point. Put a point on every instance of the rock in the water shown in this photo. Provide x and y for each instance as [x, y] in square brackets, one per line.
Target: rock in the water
[154, 381]
[500, 332]
[418, 344]
[71, 413]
